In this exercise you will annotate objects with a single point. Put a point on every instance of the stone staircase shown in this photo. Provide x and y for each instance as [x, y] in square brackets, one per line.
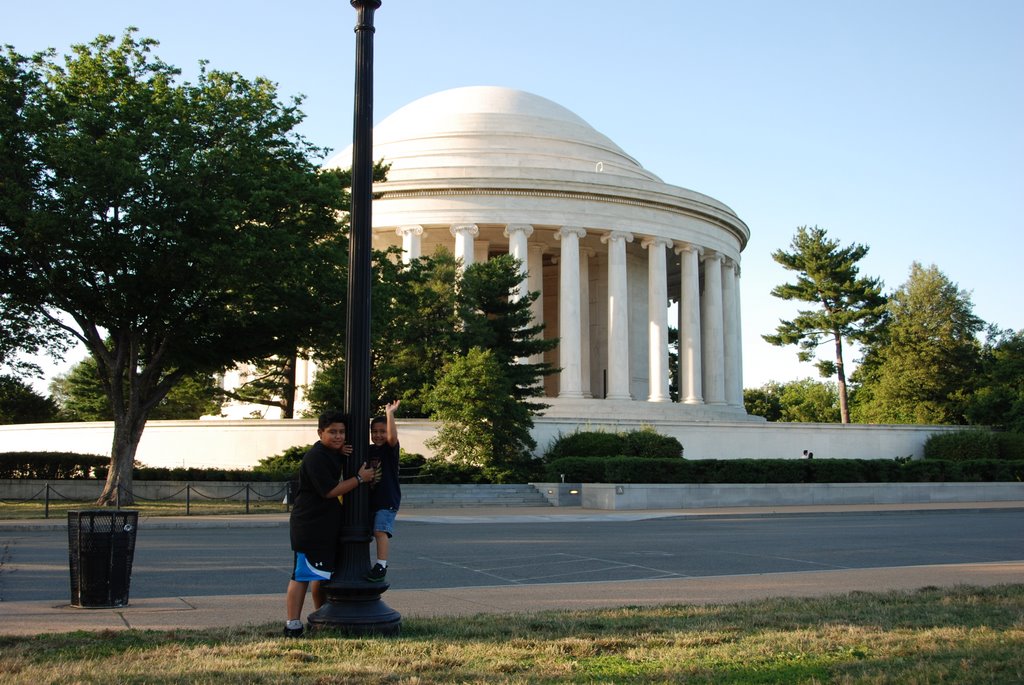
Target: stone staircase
[471, 495]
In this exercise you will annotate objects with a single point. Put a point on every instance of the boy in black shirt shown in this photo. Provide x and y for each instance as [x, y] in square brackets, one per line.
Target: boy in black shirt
[316, 515]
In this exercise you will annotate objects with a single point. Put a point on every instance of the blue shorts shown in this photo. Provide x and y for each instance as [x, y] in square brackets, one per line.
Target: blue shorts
[384, 521]
[309, 568]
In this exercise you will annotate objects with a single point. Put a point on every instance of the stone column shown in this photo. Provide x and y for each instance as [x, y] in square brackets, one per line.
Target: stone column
[618, 317]
[690, 374]
[739, 332]
[481, 251]
[518, 245]
[731, 335]
[464, 234]
[657, 319]
[711, 320]
[569, 326]
[585, 254]
[411, 242]
[535, 282]
[305, 373]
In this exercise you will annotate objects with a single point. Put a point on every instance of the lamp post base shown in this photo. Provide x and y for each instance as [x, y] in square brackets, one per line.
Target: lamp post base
[355, 608]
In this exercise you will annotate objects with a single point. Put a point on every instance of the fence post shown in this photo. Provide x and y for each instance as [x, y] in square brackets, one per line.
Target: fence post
[188, 498]
[46, 502]
[246, 498]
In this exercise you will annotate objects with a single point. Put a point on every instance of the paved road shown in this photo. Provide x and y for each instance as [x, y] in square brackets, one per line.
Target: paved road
[426, 555]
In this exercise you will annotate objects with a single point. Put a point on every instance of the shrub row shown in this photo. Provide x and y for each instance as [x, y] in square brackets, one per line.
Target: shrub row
[639, 443]
[632, 470]
[285, 466]
[52, 465]
[603, 469]
[970, 445]
[194, 474]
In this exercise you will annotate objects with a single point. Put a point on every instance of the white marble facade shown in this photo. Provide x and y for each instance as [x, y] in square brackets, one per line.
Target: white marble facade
[613, 250]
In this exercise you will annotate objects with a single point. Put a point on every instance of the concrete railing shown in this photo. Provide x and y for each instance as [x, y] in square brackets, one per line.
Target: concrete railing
[590, 495]
[699, 496]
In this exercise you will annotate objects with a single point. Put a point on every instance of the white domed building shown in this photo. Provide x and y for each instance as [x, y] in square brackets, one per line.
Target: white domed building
[614, 251]
[611, 248]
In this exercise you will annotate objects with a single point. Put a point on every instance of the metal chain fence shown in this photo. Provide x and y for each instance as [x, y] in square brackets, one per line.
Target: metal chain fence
[250, 497]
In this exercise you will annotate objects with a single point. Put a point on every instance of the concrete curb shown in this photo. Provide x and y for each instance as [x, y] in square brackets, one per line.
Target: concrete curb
[497, 514]
[33, 618]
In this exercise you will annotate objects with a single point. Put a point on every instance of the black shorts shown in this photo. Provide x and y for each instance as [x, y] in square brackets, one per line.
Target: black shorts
[314, 566]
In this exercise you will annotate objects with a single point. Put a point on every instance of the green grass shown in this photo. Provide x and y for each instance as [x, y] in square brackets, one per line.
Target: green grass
[198, 506]
[964, 635]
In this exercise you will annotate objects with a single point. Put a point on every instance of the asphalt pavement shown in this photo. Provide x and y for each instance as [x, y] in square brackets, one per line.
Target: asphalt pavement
[507, 593]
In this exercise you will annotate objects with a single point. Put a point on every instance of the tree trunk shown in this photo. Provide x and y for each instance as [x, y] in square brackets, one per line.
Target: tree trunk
[127, 434]
[288, 404]
[844, 408]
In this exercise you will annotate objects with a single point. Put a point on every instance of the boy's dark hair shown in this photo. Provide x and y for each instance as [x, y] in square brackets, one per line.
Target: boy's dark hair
[378, 419]
[332, 416]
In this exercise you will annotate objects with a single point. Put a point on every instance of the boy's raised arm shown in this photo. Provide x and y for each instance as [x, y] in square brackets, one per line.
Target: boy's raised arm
[389, 411]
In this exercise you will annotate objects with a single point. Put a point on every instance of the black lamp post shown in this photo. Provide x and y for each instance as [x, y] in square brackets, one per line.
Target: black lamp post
[353, 604]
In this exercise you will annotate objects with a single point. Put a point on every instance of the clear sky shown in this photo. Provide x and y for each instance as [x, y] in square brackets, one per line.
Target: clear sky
[898, 125]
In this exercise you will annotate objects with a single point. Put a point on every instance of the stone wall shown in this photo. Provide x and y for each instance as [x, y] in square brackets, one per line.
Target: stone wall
[700, 496]
[241, 444]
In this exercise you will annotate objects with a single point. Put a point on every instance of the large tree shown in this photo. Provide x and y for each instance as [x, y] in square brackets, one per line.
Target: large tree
[810, 401]
[482, 422]
[273, 382]
[484, 394]
[19, 403]
[81, 396]
[171, 227]
[765, 401]
[926, 365]
[414, 324]
[493, 318]
[848, 306]
[998, 399]
[427, 312]
[800, 401]
[455, 345]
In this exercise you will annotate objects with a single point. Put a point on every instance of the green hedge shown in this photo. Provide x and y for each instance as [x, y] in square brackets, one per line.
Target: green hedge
[647, 443]
[595, 469]
[640, 443]
[977, 471]
[972, 445]
[440, 471]
[207, 475]
[648, 470]
[283, 466]
[576, 470]
[632, 470]
[52, 465]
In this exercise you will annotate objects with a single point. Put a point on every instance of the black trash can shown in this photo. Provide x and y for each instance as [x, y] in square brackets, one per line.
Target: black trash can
[101, 546]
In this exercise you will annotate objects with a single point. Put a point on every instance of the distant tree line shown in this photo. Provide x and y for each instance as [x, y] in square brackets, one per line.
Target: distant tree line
[926, 358]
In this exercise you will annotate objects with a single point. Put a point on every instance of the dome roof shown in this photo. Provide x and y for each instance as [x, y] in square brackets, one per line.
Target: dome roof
[488, 156]
[490, 131]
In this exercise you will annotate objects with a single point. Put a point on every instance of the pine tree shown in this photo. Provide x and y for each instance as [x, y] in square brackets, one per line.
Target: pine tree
[850, 307]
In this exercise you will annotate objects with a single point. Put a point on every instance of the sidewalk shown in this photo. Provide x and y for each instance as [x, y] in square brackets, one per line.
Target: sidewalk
[475, 515]
[29, 618]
